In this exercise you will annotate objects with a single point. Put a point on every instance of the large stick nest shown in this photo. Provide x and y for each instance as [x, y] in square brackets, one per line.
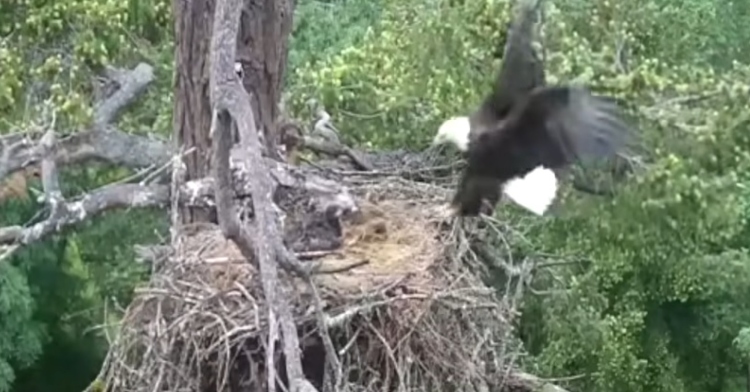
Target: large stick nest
[407, 308]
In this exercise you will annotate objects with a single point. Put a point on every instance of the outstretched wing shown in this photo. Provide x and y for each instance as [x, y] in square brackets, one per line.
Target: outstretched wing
[557, 126]
[522, 69]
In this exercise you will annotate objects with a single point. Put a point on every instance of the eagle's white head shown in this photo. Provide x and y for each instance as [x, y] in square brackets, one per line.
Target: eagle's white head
[455, 130]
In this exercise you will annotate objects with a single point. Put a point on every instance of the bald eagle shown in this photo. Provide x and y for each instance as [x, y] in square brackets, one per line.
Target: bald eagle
[524, 131]
[552, 128]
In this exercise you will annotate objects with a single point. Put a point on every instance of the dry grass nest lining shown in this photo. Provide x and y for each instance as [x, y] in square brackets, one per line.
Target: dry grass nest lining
[395, 239]
[411, 316]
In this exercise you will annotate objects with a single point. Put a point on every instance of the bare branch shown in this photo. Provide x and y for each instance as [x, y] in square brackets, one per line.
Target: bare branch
[65, 214]
[132, 84]
[102, 142]
[10, 145]
[335, 149]
[229, 98]
[533, 382]
[50, 180]
[18, 151]
[110, 145]
[324, 195]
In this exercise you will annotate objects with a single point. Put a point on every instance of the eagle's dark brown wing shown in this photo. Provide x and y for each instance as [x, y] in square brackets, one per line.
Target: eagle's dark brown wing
[553, 127]
[522, 70]
[572, 120]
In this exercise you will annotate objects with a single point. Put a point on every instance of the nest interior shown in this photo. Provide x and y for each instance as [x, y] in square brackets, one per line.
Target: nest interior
[405, 309]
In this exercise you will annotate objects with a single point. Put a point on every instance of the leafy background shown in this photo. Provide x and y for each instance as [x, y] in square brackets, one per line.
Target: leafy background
[656, 296]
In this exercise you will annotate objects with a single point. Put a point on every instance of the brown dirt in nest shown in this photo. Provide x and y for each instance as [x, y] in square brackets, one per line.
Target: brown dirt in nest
[395, 237]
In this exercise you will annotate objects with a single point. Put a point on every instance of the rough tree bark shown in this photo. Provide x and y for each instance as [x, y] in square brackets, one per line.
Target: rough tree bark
[263, 242]
[192, 107]
[262, 45]
[262, 49]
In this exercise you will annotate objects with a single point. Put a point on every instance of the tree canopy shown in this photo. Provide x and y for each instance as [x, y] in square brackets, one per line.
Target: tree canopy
[643, 290]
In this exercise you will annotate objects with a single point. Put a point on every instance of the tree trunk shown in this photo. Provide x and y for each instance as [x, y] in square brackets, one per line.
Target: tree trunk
[192, 107]
[262, 47]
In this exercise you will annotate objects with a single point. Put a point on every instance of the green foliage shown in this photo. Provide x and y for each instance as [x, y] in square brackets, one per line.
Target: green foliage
[77, 280]
[659, 299]
[742, 342]
[57, 42]
[67, 305]
[324, 28]
[21, 337]
[49, 52]
[150, 20]
[394, 88]
[700, 32]
[661, 291]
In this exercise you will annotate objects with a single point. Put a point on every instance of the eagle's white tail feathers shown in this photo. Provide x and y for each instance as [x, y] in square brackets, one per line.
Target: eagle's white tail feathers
[535, 191]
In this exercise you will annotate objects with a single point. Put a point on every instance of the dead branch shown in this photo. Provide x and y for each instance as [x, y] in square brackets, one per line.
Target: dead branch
[64, 214]
[534, 383]
[231, 102]
[105, 142]
[336, 149]
[324, 194]
[101, 142]
[20, 152]
[132, 84]
[108, 145]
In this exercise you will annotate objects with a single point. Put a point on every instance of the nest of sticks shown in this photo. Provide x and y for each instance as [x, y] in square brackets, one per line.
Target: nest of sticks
[406, 307]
